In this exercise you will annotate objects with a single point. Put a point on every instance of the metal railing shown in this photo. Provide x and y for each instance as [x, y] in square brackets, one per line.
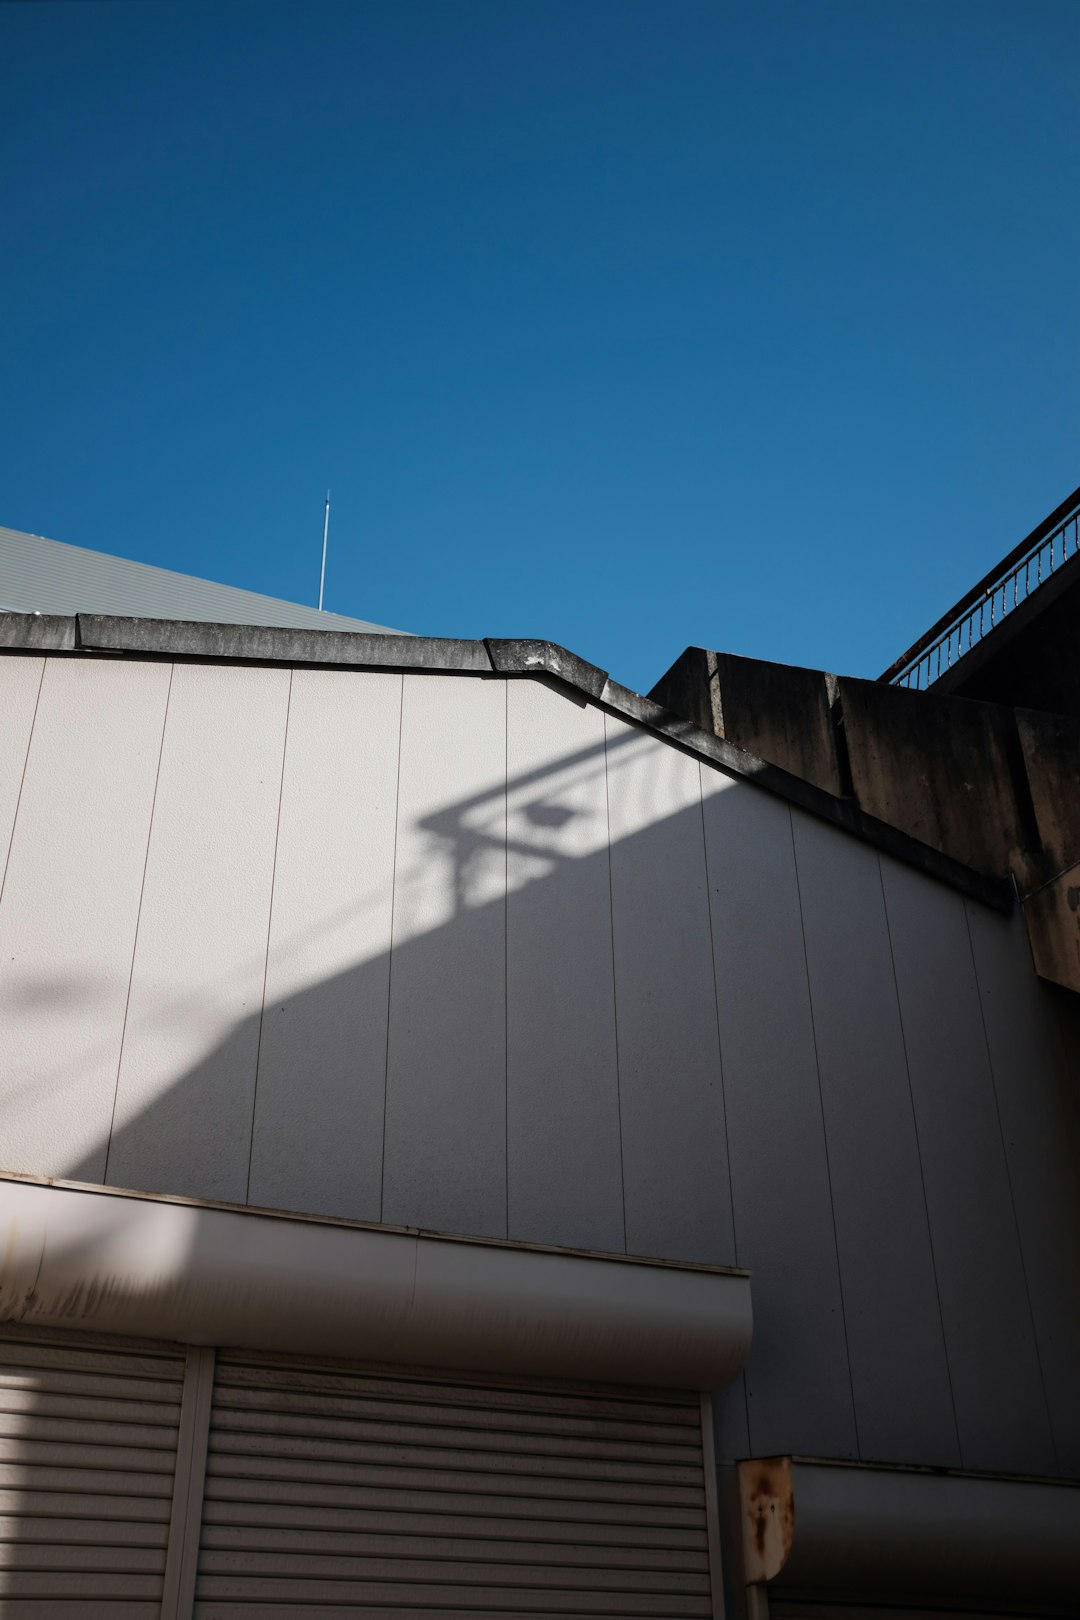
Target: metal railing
[1017, 577]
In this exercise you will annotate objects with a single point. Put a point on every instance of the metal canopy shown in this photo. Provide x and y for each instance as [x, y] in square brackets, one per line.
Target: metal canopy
[212, 1274]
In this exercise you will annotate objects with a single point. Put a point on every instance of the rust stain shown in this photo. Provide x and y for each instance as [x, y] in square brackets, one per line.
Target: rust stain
[18, 1293]
[768, 1508]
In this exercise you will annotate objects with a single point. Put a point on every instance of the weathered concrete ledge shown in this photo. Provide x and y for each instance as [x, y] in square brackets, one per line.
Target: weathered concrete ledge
[272, 644]
[37, 632]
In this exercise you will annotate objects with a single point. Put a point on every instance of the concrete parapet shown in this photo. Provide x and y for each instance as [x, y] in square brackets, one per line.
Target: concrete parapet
[781, 712]
[1050, 750]
[939, 769]
[1052, 916]
[993, 787]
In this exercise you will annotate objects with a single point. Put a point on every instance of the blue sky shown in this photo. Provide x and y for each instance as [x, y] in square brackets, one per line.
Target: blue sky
[630, 325]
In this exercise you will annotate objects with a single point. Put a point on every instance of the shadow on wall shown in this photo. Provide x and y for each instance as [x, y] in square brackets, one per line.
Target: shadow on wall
[467, 1080]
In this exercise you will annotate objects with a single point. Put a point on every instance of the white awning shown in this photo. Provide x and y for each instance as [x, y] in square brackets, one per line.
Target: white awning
[134, 1264]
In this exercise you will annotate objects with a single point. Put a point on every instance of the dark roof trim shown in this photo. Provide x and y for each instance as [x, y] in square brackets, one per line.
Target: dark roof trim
[546, 658]
[994, 578]
[167, 638]
[1017, 622]
[176, 638]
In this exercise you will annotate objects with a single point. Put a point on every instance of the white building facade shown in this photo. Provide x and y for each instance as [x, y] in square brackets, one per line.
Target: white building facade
[471, 1143]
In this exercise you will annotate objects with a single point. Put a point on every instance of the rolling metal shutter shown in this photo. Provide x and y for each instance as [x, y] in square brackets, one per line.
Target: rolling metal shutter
[88, 1438]
[334, 1492]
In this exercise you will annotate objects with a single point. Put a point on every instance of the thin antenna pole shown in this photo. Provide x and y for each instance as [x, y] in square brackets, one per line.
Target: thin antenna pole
[325, 531]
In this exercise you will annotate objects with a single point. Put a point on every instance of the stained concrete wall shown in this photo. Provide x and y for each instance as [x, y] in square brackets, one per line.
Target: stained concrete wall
[780, 712]
[994, 787]
[476, 954]
[937, 769]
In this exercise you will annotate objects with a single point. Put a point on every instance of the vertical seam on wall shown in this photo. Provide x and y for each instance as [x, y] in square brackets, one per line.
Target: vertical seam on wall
[390, 948]
[824, 1131]
[1012, 1191]
[269, 929]
[22, 779]
[716, 1009]
[614, 991]
[138, 924]
[919, 1158]
[506, 949]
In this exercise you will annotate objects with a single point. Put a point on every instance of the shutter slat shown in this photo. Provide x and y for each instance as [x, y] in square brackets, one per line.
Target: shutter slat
[110, 1386]
[428, 1456]
[235, 1465]
[92, 1609]
[55, 1454]
[245, 1542]
[439, 1597]
[45, 1401]
[41, 1554]
[66, 1504]
[678, 1408]
[22, 1354]
[25, 1528]
[257, 1489]
[262, 1524]
[314, 1609]
[451, 1571]
[84, 1584]
[401, 1423]
[117, 1482]
[41, 1425]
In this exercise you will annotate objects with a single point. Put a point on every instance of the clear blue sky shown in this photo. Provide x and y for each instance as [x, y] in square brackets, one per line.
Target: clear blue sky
[629, 325]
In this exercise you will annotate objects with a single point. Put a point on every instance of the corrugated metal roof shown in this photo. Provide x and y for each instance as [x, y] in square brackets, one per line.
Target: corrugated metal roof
[50, 576]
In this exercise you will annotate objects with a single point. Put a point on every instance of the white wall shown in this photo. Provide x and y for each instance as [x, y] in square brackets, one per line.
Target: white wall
[469, 953]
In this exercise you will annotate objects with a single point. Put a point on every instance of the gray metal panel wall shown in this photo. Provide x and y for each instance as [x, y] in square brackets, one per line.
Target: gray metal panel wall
[198, 970]
[21, 688]
[670, 1077]
[328, 957]
[70, 906]
[564, 1167]
[997, 1385]
[899, 1370]
[1036, 1089]
[329, 1488]
[573, 961]
[445, 1135]
[779, 1160]
[88, 1439]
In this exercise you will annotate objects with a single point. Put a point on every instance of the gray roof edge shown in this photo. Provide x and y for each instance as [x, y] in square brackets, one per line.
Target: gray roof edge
[36, 632]
[548, 658]
[169, 638]
[57, 578]
[276, 644]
